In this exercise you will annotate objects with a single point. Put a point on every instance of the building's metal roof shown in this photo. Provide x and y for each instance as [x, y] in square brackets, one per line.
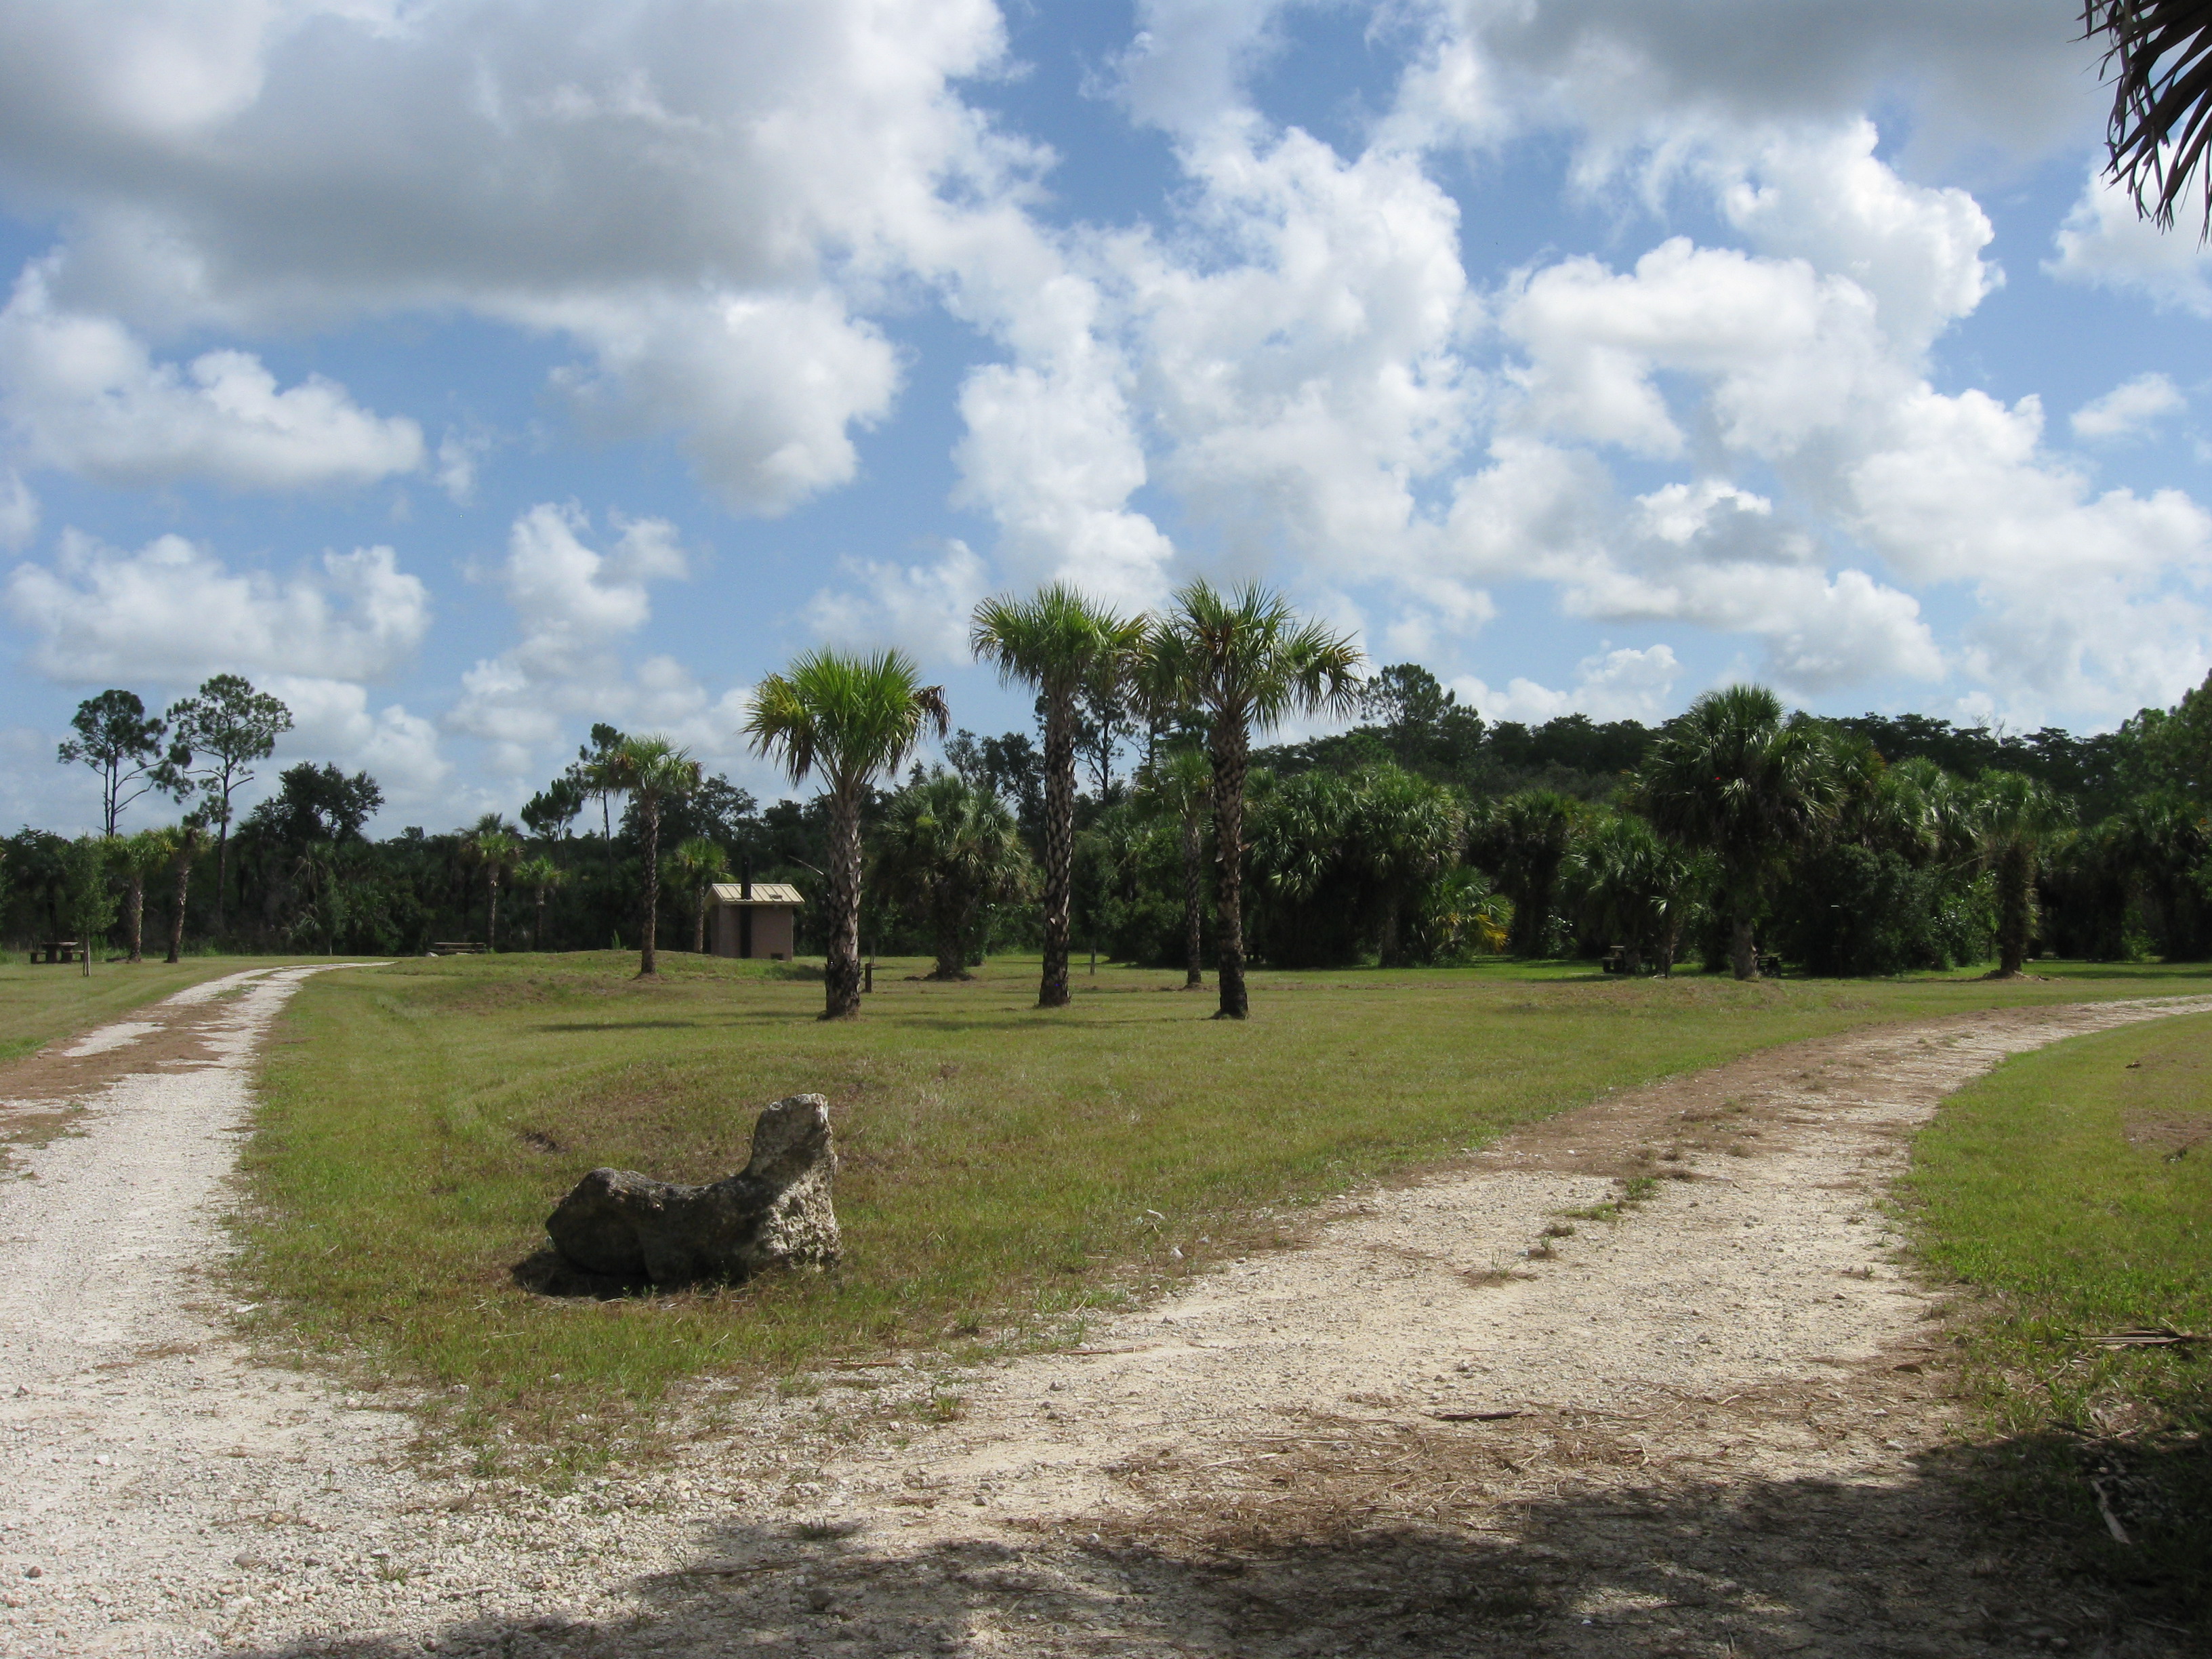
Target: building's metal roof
[764, 892]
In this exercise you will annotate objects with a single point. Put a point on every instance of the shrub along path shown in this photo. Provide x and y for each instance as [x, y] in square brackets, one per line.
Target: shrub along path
[1710, 1418]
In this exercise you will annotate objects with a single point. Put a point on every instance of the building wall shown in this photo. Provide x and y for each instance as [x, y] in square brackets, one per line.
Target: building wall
[773, 930]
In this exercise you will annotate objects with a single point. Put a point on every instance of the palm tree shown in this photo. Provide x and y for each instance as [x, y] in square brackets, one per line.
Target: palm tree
[542, 876]
[2016, 817]
[1068, 648]
[950, 849]
[1462, 915]
[1636, 885]
[852, 719]
[2161, 116]
[1246, 663]
[1732, 777]
[1180, 780]
[137, 859]
[592, 774]
[651, 770]
[182, 844]
[496, 847]
[698, 864]
[1523, 841]
[1409, 832]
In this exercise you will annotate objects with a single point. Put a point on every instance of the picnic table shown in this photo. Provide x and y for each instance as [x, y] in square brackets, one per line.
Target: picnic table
[456, 947]
[58, 950]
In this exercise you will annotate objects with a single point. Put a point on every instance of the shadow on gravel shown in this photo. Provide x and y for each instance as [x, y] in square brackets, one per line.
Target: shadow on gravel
[1750, 1569]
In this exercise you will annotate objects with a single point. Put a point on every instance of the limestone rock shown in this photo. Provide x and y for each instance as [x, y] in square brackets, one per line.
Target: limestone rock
[775, 1213]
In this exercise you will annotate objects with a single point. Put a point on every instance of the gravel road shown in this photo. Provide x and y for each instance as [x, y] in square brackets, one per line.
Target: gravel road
[1712, 1423]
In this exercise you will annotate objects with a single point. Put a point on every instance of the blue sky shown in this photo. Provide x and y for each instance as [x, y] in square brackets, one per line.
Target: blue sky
[467, 373]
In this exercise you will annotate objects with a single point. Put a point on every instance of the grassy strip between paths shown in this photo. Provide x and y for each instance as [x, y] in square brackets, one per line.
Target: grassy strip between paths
[1005, 1172]
[41, 1003]
[2073, 1187]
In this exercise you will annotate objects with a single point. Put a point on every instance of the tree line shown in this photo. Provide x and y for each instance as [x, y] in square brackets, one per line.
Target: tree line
[1736, 834]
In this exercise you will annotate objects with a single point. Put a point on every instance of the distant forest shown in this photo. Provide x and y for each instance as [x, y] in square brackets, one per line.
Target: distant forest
[1423, 834]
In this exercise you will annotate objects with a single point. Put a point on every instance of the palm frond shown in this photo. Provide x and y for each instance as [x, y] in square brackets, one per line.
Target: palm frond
[2157, 54]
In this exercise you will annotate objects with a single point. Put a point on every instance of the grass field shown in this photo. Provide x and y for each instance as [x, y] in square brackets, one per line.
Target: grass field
[2074, 1188]
[1003, 1170]
[40, 1003]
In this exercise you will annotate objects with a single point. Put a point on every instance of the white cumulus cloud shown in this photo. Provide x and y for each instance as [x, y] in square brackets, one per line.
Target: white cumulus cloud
[19, 511]
[703, 200]
[2128, 410]
[577, 606]
[922, 608]
[1623, 684]
[2106, 243]
[80, 392]
[332, 720]
[174, 612]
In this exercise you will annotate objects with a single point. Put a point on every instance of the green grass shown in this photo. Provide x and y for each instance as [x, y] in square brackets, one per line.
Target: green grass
[2073, 1187]
[1003, 1171]
[40, 1004]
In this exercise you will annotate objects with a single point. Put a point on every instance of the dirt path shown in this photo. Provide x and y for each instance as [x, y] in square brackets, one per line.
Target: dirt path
[1712, 1423]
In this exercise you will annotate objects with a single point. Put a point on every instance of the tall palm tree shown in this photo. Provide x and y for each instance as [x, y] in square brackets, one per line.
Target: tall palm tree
[183, 844]
[1246, 663]
[1406, 832]
[543, 876]
[2158, 54]
[494, 848]
[1179, 779]
[651, 771]
[1637, 886]
[1066, 646]
[1735, 778]
[950, 849]
[852, 719]
[2016, 817]
[698, 864]
[137, 859]
[1522, 840]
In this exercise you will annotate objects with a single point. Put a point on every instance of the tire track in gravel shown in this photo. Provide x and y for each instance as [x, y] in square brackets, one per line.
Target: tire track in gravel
[139, 1440]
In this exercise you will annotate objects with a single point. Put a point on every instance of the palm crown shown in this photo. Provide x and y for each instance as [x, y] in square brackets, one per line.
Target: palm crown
[849, 718]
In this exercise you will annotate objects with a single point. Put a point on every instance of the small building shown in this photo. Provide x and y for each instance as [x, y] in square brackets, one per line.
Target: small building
[751, 919]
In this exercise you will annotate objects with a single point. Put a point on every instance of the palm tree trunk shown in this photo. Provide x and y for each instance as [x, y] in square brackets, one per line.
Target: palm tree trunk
[1230, 762]
[2015, 907]
[491, 908]
[537, 924]
[1193, 900]
[648, 812]
[177, 911]
[138, 915]
[1058, 846]
[952, 952]
[841, 975]
[1743, 954]
[699, 923]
